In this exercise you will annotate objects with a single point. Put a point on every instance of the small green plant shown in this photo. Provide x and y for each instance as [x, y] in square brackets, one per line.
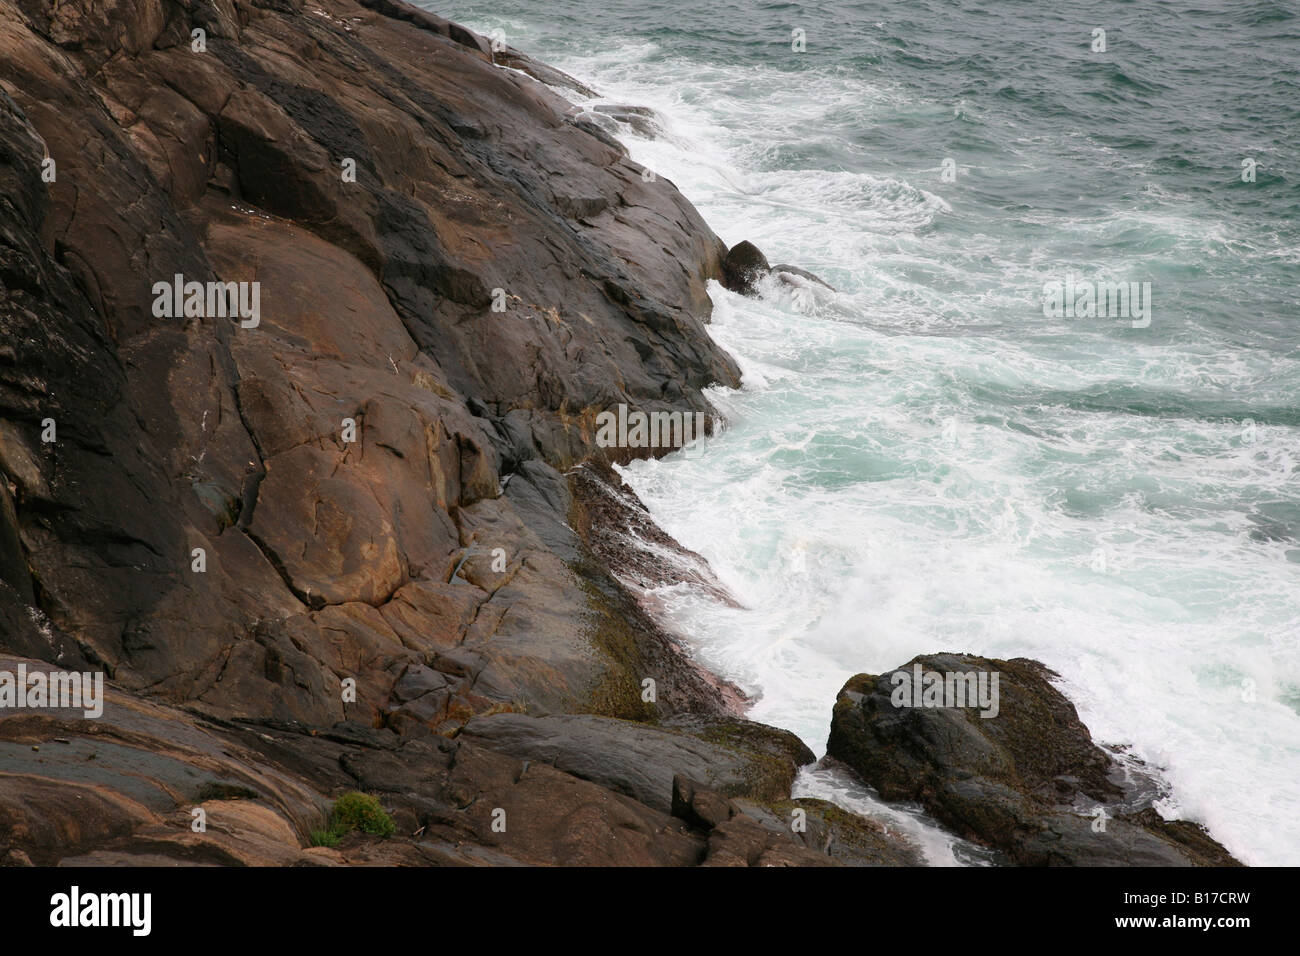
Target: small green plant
[354, 811]
[324, 838]
[358, 811]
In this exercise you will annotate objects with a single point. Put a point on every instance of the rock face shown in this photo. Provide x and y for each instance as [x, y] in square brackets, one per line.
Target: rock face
[378, 177]
[1027, 780]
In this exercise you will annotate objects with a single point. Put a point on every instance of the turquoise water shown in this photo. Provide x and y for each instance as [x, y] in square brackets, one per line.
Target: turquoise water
[923, 460]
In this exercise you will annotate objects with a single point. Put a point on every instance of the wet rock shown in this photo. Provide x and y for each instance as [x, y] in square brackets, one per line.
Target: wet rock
[428, 21]
[736, 838]
[641, 119]
[783, 271]
[642, 761]
[512, 58]
[744, 265]
[1027, 779]
[376, 236]
[829, 829]
[617, 526]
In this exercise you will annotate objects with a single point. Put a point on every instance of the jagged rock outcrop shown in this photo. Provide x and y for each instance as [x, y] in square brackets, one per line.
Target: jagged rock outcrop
[1027, 779]
[151, 784]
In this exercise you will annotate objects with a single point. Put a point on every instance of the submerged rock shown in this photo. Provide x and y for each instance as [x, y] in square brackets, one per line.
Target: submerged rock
[782, 271]
[1026, 779]
[642, 119]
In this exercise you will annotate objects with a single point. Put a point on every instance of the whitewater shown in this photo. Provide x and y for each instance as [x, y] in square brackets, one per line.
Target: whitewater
[922, 461]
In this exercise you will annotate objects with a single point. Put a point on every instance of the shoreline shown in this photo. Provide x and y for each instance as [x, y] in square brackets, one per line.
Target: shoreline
[754, 266]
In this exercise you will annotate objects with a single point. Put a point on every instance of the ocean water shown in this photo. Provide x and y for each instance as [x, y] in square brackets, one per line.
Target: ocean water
[923, 460]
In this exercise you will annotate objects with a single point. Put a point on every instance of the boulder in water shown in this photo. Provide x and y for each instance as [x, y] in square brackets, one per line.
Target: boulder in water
[744, 265]
[642, 119]
[782, 271]
[1007, 764]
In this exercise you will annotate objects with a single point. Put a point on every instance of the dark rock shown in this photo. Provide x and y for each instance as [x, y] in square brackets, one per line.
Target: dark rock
[540, 496]
[844, 837]
[1026, 780]
[736, 838]
[617, 526]
[399, 10]
[541, 72]
[26, 632]
[743, 267]
[416, 681]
